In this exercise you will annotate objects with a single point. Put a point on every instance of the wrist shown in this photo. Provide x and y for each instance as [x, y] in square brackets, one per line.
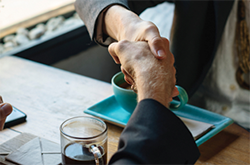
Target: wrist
[148, 93]
[119, 22]
[152, 88]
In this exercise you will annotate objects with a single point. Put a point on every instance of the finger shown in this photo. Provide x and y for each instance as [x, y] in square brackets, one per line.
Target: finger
[175, 92]
[127, 77]
[113, 52]
[2, 122]
[1, 99]
[5, 110]
[156, 42]
[157, 47]
[166, 45]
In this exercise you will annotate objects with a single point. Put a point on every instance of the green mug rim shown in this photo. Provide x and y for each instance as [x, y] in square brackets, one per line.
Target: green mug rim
[117, 86]
[183, 96]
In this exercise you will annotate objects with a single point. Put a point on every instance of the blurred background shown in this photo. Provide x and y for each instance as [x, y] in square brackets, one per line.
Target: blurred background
[17, 11]
[51, 32]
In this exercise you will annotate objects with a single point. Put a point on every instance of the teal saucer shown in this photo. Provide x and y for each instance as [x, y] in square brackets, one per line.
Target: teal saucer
[110, 111]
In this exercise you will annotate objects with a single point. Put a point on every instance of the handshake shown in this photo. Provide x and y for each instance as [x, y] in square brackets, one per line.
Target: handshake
[149, 76]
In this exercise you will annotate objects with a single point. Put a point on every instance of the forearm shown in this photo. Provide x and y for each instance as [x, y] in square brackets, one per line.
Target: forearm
[116, 20]
[90, 11]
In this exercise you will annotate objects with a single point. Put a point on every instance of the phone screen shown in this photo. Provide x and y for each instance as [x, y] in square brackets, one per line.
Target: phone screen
[16, 117]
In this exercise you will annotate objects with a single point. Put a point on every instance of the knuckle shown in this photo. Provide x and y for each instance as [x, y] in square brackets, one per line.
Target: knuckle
[143, 51]
[160, 42]
[149, 27]
[156, 40]
[123, 42]
[122, 45]
[167, 42]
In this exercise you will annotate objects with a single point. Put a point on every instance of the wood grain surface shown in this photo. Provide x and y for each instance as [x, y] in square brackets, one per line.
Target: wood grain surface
[49, 96]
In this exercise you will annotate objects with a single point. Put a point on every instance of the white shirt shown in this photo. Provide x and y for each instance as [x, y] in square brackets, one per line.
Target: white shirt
[220, 91]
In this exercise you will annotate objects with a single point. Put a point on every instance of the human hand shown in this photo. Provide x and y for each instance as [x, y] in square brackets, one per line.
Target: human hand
[151, 77]
[5, 110]
[122, 24]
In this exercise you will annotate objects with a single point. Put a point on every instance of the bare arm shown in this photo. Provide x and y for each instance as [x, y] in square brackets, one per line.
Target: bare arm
[113, 18]
[122, 24]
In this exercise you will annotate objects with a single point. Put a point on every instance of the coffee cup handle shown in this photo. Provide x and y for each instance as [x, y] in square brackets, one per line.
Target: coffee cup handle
[183, 96]
[97, 154]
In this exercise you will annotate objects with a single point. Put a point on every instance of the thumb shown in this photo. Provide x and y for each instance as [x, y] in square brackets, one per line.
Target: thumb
[5, 110]
[127, 77]
[158, 46]
[1, 99]
[113, 52]
[175, 92]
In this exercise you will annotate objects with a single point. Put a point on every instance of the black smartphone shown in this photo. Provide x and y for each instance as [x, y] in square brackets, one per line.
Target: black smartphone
[16, 117]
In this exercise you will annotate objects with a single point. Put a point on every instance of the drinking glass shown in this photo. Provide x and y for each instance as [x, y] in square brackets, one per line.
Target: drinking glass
[83, 141]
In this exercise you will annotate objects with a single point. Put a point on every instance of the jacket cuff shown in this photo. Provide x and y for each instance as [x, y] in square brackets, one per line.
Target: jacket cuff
[92, 15]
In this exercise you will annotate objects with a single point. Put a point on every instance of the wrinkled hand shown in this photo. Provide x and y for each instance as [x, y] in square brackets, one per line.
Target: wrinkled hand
[5, 110]
[147, 31]
[153, 78]
[122, 24]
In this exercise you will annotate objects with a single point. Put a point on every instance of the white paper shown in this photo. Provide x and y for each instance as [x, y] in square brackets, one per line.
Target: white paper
[196, 128]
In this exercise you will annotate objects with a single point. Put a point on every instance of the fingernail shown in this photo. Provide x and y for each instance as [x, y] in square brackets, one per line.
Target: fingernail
[160, 53]
[6, 108]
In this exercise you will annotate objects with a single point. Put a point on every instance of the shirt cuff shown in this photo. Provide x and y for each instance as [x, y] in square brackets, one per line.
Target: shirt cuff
[100, 37]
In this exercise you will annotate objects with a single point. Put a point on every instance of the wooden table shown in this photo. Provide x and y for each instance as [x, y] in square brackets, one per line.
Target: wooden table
[49, 96]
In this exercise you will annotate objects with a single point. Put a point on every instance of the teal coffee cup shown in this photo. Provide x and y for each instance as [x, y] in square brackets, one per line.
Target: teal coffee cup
[127, 98]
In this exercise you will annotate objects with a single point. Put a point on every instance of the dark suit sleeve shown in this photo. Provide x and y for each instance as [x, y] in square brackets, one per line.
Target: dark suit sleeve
[90, 10]
[155, 135]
